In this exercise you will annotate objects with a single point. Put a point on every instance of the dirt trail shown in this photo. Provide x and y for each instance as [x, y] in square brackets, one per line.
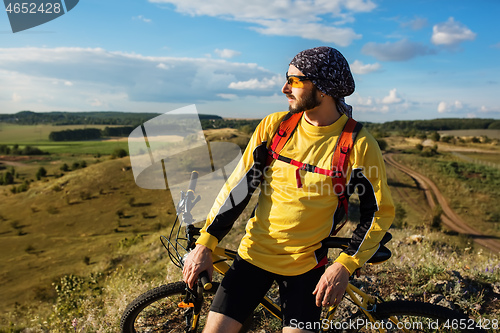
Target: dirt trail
[449, 217]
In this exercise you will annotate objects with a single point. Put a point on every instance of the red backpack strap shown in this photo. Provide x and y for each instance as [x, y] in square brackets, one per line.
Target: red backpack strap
[284, 132]
[340, 163]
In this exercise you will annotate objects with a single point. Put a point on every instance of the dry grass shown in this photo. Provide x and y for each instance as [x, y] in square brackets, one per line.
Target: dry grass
[103, 261]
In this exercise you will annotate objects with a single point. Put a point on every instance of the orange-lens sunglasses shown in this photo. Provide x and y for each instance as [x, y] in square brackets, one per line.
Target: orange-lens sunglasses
[296, 81]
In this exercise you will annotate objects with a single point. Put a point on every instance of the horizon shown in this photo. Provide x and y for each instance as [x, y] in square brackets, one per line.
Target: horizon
[229, 57]
[237, 118]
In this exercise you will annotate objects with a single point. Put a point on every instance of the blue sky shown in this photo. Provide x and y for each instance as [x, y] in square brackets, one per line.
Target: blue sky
[411, 59]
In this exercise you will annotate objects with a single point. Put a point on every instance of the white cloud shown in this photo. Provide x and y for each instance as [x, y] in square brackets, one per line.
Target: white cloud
[398, 51]
[310, 19]
[392, 98]
[485, 109]
[391, 103]
[256, 84]
[227, 53]
[451, 33]
[163, 66]
[357, 99]
[358, 67]
[107, 79]
[417, 23]
[444, 107]
[228, 96]
[142, 18]
[96, 102]
[16, 97]
[327, 34]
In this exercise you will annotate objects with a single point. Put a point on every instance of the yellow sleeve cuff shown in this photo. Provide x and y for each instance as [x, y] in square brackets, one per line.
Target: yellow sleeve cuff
[349, 262]
[208, 240]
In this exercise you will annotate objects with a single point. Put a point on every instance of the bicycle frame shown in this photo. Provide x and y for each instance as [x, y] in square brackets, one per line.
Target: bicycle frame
[366, 303]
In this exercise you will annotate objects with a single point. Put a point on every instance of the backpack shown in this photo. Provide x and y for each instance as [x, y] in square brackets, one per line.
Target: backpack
[340, 158]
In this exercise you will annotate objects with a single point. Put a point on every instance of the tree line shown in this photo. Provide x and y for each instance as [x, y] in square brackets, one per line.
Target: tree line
[83, 118]
[15, 150]
[130, 119]
[90, 133]
[443, 124]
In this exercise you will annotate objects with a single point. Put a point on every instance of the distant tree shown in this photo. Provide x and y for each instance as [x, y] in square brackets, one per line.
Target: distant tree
[434, 136]
[4, 150]
[446, 138]
[23, 187]
[119, 153]
[422, 136]
[494, 125]
[8, 178]
[75, 135]
[64, 167]
[41, 173]
[382, 144]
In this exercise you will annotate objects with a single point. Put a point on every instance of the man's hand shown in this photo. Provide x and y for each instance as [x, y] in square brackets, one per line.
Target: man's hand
[331, 287]
[198, 260]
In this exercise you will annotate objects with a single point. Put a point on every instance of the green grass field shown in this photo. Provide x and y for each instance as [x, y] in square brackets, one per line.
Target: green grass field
[38, 136]
[23, 134]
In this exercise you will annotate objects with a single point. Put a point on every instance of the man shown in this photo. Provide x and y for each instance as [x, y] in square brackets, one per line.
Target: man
[283, 238]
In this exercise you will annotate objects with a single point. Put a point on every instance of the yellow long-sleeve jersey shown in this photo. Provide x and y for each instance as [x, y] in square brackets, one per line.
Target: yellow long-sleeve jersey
[285, 233]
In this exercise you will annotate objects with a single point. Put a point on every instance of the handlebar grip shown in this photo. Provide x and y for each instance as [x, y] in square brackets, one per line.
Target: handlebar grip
[205, 281]
[192, 181]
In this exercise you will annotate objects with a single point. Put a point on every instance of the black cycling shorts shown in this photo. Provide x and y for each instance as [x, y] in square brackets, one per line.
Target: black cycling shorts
[244, 286]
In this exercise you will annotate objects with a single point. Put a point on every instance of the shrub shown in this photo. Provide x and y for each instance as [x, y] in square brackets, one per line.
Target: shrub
[23, 187]
[119, 153]
[446, 138]
[8, 178]
[436, 221]
[434, 136]
[382, 144]
[41, 173]
[400, 218]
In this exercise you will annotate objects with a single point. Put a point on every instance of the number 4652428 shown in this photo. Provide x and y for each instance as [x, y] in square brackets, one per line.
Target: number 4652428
[33, 8]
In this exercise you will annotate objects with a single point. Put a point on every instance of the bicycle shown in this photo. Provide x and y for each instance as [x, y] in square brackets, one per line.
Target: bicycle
[176, 308]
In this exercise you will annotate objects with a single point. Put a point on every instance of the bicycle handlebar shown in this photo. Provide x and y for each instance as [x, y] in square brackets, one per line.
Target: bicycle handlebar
[192, 181]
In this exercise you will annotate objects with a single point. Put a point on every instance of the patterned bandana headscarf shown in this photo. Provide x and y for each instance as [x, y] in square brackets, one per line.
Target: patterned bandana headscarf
[329, 71]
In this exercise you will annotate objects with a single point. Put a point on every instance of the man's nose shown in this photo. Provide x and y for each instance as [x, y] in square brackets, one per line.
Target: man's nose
[286, 88]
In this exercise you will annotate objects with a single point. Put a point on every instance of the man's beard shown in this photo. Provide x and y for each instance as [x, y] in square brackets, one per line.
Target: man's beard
[307, 103]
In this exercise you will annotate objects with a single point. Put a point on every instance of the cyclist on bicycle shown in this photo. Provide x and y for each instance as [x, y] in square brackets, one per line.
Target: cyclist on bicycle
[283, 237]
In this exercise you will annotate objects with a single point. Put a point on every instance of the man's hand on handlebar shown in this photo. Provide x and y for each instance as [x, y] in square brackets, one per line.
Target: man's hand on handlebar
[198, 260]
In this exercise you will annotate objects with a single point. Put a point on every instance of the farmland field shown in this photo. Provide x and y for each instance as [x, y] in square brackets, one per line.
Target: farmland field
[490, 133]
[35, 133]
[38, 136]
